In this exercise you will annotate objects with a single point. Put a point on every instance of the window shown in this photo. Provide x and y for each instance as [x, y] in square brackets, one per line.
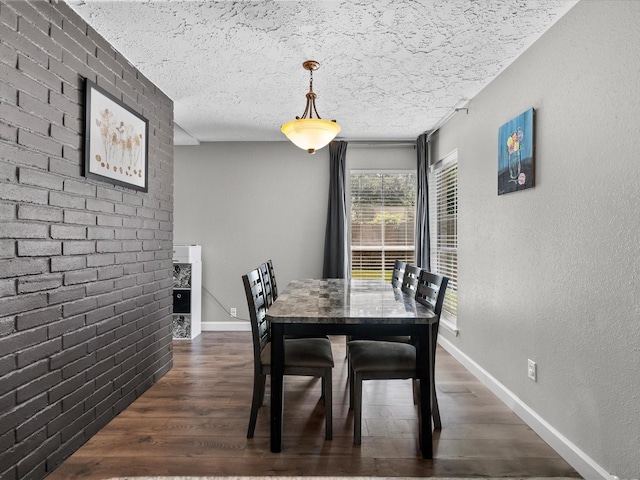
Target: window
[443, 218]
[382, 221]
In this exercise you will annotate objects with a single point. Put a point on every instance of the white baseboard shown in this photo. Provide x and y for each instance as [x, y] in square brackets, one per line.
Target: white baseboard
[226, 326]
[579, 460]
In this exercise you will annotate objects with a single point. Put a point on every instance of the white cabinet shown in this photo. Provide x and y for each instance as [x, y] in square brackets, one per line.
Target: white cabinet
[187, 291]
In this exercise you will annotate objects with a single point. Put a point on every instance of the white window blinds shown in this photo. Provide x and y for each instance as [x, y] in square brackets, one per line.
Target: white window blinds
[382, 222]
[443, 218]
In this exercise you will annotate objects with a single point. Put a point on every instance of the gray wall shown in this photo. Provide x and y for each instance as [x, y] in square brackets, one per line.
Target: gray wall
[248, 202]
[85, 267]
[551, 273]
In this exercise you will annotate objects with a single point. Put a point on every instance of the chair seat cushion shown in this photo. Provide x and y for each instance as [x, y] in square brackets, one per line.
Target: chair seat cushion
[384, 338]
[302, 352]
[379, 356]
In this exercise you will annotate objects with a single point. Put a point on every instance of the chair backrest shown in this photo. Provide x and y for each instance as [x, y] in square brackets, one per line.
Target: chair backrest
[272, 276]
[398, 273]
[253, 289]
[410, 280]
[267, 286]
[431, 290]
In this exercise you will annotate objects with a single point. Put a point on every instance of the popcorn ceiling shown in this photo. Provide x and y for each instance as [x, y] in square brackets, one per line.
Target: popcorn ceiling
[388, 69]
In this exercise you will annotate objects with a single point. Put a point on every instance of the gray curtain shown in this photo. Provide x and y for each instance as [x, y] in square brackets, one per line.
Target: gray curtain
[422, 204]
[335, 241]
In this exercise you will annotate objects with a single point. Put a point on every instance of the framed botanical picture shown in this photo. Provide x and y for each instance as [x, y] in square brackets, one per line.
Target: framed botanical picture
[516, 154]
[116, 144]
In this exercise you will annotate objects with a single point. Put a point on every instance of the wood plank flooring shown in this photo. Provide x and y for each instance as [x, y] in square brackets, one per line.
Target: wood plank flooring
[194, 422]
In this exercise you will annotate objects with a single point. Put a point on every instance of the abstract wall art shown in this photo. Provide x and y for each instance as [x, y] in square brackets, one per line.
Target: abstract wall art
[516, 154]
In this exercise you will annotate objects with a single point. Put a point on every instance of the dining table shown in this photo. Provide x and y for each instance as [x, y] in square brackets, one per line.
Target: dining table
[336, 306]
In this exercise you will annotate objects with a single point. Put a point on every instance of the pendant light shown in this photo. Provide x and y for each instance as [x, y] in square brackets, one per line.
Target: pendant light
[311, 133]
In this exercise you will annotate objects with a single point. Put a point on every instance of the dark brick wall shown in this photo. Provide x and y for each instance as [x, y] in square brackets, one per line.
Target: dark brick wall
[85, 266]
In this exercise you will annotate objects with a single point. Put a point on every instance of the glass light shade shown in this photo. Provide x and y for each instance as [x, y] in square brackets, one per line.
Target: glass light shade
[311, 134]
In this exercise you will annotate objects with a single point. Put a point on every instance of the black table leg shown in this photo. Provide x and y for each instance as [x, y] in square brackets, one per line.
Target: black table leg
[423, 359]
[277, 383]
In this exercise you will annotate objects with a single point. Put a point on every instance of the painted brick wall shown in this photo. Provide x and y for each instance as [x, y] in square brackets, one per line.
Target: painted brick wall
[85, 266]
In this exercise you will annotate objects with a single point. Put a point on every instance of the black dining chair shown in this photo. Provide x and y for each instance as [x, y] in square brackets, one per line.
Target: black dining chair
[397, 278]
[272, 276]
[271, 290]
[429, 293]
[380, 360]
[267, 284]
[398, 273]
[410, 279]
[302, 356]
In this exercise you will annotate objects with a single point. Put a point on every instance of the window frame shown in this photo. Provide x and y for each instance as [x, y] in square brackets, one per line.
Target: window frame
[447, 320]
[364, 171]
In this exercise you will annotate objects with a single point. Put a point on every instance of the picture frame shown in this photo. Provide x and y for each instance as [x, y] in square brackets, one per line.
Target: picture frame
[116, 143]
[516, 148]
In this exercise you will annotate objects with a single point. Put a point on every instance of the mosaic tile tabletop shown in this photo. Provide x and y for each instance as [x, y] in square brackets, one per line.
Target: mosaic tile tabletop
[346, 301]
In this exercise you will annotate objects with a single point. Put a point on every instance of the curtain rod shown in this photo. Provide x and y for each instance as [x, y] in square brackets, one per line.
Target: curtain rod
[381, 143]
[447, 117]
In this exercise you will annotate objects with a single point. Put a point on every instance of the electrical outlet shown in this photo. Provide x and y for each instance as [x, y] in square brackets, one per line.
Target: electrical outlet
[532, 370]
[233, 312]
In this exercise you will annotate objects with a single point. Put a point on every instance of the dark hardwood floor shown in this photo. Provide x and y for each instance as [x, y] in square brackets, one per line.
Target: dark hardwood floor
[194, 422]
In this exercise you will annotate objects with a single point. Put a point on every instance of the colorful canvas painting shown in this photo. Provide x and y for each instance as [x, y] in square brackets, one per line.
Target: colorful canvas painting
[516, 154]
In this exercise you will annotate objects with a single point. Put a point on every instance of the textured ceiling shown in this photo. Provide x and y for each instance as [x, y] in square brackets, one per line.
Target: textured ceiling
[389, 70]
